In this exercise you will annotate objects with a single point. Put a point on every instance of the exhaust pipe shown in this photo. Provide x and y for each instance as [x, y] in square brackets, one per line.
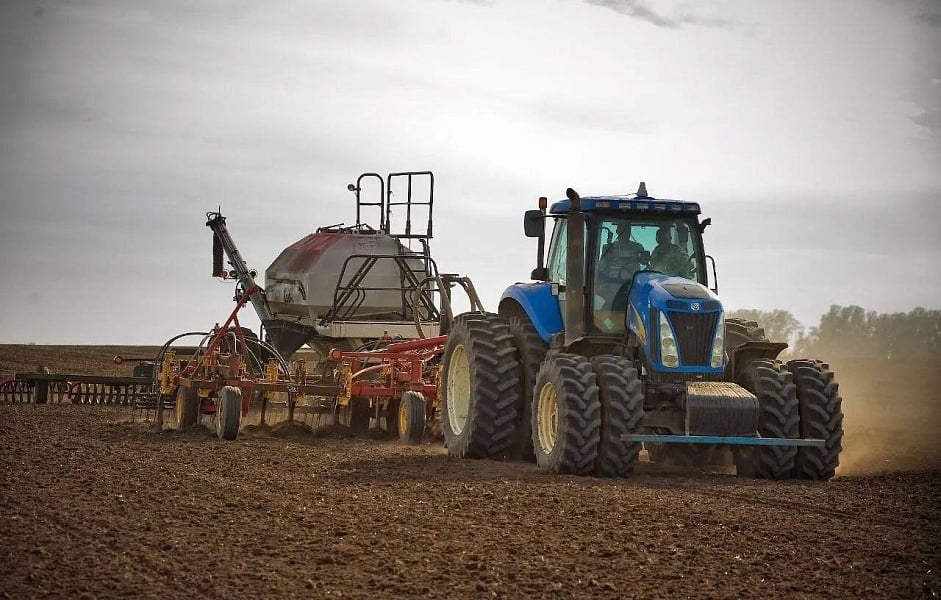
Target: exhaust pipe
[575, 270]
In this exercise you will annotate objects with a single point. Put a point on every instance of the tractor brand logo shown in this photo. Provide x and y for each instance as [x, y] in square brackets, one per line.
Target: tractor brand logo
[694, 306]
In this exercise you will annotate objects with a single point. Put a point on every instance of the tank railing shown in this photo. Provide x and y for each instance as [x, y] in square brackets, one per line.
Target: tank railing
[425, 304]
[358, 188]
[359, 296]
[409, 203]
[350, 294]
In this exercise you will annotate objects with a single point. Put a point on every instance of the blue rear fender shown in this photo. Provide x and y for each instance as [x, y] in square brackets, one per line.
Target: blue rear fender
[537, 301]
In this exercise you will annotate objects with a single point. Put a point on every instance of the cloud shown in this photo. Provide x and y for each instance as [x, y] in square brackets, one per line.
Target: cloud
[640, 10]
[929, 16]
[930, 119]
[597, 116]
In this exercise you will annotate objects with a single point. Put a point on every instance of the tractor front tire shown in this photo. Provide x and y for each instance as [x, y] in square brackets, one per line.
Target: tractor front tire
[479, 387]
[778, 417]
[411, 418]
[531, 350]
[621, 393]
[566, 415]
[187, 408]
[821, 417]
[229, 413]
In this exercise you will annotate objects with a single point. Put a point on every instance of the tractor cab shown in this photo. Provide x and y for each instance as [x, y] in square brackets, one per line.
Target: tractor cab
[623, 240]
[641, 283]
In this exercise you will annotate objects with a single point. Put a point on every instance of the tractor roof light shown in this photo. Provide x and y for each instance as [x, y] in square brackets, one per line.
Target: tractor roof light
[668, 352]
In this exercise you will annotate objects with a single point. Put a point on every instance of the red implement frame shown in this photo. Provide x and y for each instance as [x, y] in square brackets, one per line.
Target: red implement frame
[381, 376]
[214, 370]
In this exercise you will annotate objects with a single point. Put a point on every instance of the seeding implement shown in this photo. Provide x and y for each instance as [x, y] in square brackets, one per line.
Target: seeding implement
[396, 382]
[372, 309]
[62, 388]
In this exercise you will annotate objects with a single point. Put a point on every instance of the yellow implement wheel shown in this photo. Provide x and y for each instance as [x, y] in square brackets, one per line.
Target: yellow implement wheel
[229, 413]
[411, 418]
[187, 408]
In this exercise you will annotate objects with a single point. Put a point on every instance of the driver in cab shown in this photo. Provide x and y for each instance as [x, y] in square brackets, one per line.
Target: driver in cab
[618, 262]
[668, 258]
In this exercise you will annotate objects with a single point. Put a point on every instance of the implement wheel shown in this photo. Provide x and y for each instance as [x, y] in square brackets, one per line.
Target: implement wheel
[622, 408]
[479, 387]
[821, 417]
[530, 352]
[360, 412]
[566, 415]
[187, 408]
[229, 413]
[392, 417]
[778, 417]
[411, 418]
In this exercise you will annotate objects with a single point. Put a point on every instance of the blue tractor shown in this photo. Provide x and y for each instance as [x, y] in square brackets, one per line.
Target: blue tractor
[620, 344]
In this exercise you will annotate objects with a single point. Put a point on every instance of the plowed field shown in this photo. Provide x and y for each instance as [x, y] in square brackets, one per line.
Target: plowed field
[97, 505]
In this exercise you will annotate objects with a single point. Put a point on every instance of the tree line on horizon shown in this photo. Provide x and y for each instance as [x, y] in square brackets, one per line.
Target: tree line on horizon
[853, 332]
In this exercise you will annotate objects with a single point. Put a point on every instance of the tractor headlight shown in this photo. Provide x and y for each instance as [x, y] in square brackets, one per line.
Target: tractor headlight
[668, 354]
[718, 344]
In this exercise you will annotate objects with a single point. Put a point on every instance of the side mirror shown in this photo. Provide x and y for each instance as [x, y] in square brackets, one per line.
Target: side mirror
[534, 223]
[539, 274]
[705, 223]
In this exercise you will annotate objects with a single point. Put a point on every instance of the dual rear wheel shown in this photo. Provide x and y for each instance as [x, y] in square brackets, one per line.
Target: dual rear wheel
[575, 409]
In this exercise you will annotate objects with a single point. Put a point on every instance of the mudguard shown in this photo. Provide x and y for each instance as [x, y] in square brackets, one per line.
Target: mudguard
[539, 304]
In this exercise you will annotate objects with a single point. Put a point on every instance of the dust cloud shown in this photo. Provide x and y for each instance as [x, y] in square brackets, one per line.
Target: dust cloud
[892, 415]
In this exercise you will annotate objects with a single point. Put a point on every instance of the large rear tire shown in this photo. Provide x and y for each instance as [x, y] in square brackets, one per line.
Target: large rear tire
[566, 415]
[187, 408]
[530, 352]
[739, 331]
[621, 393]
[779, 417]
[479, 387]
[411, 418]
[229, 413]
[821, 417]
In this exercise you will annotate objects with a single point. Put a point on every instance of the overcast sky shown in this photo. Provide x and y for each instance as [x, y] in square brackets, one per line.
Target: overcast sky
[809, 131]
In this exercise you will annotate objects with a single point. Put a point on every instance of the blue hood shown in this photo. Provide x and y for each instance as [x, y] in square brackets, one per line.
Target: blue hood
[670, 294]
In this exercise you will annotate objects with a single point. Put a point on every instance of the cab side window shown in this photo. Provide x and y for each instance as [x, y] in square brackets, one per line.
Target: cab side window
[558, 252]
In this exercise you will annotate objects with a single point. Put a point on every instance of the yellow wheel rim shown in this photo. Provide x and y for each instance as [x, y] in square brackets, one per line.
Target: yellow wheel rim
[179, 405]
[547, 418]
[403, 415]
[458, 390]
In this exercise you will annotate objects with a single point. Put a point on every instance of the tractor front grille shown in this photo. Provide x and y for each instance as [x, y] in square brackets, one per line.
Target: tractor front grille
[694, 333]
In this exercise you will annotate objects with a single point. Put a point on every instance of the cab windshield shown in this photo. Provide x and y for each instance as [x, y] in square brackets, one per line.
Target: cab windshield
[627, 245]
